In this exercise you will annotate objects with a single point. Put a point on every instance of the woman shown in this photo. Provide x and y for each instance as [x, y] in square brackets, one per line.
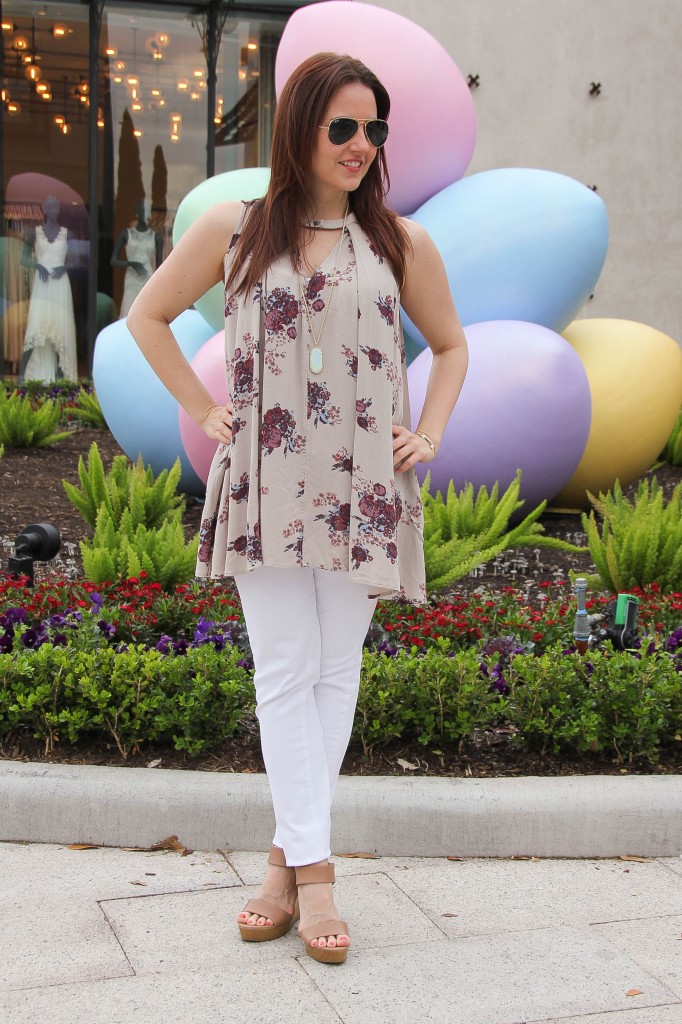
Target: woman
[312, 502]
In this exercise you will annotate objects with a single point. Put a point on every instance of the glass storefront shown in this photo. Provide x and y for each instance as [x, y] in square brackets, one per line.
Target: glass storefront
[97, 155]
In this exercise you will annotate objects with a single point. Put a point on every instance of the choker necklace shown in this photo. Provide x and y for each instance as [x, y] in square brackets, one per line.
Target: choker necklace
[315, 352]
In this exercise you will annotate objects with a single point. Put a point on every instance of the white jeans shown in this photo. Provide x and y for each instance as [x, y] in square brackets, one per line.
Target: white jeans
[306, 628]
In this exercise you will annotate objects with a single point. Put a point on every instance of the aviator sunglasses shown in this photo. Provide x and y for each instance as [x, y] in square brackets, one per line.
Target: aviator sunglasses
[342, 129]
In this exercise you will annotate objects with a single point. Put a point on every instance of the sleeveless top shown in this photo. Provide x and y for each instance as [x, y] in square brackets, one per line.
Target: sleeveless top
[308, 477]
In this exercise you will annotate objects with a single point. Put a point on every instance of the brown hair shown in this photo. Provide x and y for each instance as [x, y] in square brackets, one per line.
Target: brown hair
[275, 221]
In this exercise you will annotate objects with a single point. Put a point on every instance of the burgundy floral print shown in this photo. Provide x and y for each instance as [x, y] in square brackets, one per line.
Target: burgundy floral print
[295, 529]
[386, 308]
[377, 359]
[279, 426]
[343, 460]
[319, 404]
[281, 315]
[364, 420]
[351, 361]
[337, 518]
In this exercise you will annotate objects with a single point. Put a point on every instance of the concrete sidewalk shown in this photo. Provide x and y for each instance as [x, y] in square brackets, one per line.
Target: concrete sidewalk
[106, 936]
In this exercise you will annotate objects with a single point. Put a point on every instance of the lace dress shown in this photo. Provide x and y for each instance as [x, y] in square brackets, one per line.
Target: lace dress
[141, 248]
[50, 328]
[308, 478]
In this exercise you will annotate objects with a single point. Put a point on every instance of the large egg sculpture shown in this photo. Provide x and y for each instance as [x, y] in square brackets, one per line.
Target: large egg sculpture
[140, 411]
[243, 184]
[518, 244]
[432, 119]
[635, 377]
[209, 366]
[525, 404]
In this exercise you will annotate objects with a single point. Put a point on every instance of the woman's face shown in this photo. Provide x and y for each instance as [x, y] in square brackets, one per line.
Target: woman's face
[336, 169]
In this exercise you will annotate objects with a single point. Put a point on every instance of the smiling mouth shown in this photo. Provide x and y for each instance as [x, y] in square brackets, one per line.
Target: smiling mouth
[353, 164]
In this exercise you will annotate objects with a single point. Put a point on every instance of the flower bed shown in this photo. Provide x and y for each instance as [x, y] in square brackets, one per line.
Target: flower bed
[130, 662]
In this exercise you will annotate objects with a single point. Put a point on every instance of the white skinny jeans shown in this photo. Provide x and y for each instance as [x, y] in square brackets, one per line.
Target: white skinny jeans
[306, 628]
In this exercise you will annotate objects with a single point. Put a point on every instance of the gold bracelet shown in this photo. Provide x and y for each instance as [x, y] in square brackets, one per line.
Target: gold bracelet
[432, 444]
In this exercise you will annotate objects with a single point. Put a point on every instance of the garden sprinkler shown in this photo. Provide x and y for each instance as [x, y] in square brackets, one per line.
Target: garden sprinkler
[38, 542]
[581, 626]
[624, 629]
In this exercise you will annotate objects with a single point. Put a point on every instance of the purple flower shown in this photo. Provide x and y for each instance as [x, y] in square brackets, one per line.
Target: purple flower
[12, 616]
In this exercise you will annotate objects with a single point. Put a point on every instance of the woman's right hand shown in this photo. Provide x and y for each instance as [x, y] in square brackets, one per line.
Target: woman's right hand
[43, 272]
[217, 423]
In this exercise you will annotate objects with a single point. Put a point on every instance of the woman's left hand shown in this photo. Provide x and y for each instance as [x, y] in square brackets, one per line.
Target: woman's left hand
[408, 448]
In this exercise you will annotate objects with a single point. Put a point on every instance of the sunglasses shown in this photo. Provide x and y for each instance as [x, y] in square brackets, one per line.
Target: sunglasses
[342, 129]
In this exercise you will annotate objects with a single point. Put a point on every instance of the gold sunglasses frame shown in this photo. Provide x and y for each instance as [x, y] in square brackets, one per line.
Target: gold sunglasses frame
[364, 121]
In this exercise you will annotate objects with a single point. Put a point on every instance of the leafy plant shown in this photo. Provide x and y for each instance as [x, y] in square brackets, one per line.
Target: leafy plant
[125, 487]
[462, 532]
[672, 453]
[640, 542]
[124, 550]
[23, 426]
[88, 410]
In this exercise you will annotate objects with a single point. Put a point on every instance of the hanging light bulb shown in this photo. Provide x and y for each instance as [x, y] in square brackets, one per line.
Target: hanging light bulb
[162, 39]
[42, 86]
[32, 72]
[7, 26]
[183, 85]
[162, 102]
[59, 119]
[174, 137]
[155, 92]
[119, 65]
[59, 31]
[13, 107]
[5, 94]
[136, 105]
[20, 44]
[194, 95]
[198, 73]
[66, 128]
[176, 119]
[111, 51]
[47, 96]
[138, 133]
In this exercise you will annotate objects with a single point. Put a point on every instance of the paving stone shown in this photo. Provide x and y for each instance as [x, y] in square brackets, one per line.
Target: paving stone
[656, 944]
[188, 931]
[106, 872]
[51, 941]
[489, 896]
[500, 979]
[281, 993]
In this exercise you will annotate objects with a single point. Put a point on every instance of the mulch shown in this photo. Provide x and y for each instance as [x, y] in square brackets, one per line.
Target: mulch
[33, 492]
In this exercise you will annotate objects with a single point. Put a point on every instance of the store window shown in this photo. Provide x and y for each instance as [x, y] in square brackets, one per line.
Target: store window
[155, 140]
[44, 249]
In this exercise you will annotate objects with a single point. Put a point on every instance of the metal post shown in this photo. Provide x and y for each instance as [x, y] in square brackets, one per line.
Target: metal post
[95, 24]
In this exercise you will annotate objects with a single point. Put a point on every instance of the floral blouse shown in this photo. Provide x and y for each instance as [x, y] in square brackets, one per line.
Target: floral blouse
[308, 478]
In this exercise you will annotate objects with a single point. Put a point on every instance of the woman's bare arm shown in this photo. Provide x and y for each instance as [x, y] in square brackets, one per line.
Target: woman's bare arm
[427, 301]
[194, 266]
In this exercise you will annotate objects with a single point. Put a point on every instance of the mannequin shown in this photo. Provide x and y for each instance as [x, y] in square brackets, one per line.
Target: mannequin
[50, 338]
[142, 244]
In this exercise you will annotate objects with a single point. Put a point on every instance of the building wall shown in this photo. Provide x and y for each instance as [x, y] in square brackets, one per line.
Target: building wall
[536, 60]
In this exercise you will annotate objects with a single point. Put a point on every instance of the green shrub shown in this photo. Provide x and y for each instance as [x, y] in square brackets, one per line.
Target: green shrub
[611, 702]
[132, 697]
[23, 426]
[640, 541]
[88, 410]
[125, 487]
[461, 533]
[120, 553]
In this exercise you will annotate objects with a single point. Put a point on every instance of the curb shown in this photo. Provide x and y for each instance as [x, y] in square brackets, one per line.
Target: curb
[564, 816]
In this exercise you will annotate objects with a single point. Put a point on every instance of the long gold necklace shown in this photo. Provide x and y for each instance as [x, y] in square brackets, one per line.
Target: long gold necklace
[315, 361]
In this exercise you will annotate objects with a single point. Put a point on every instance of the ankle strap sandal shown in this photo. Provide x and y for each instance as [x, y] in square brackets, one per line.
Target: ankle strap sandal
[306, 875]
[282, 920]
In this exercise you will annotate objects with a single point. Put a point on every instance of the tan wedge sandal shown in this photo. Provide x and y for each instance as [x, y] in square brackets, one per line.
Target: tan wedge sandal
[324, 954]
[282, 920]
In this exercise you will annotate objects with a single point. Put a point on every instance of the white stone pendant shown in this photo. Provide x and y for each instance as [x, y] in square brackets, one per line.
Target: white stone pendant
[315, 360]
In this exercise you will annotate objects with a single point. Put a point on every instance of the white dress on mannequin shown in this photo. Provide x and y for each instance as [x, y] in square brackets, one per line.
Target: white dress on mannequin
[51, 326]
[140, 248]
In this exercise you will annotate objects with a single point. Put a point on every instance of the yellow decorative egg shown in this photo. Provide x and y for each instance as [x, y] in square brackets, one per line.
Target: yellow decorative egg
[635, 377]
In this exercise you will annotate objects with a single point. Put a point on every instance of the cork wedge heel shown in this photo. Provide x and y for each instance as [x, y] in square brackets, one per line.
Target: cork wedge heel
[306, 875]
